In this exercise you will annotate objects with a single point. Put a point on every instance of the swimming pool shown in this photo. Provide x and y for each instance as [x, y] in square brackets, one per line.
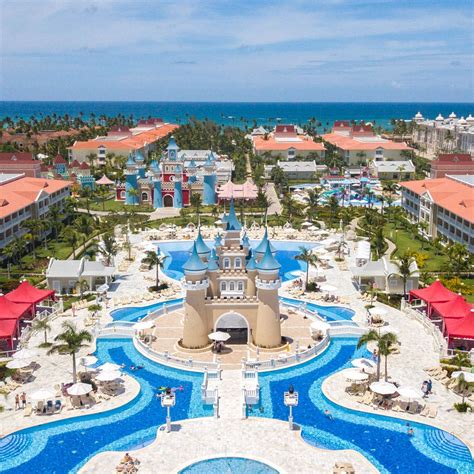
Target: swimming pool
[331, 313]
[65, 446]
[383, 440]
[228, 465]
[134, 313]
[286, 251]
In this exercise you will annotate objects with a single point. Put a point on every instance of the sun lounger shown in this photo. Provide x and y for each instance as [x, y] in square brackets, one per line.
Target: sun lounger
[433, 412]
[413, 408]
[425, 410]
[28, 410]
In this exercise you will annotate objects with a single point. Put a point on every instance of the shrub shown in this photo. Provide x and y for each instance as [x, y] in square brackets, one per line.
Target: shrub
[161, 286]
[312, 286]
[462, 407]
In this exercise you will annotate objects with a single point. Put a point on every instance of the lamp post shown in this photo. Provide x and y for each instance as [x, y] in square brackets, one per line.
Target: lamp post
[290, 399]
[168, 400]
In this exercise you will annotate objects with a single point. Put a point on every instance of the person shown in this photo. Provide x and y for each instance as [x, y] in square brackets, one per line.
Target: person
[23, 399]
[328, 414]
[127, 458]
[424, 389]
[291, 389]
[410, 431]
[430, 385]
[17, 401]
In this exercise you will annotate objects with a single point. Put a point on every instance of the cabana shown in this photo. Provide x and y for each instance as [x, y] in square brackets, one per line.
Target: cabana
[10, 315]
[460, 332]
[104, 181]
[457, 308]
[435, 293]
[362, 253]
[8, 330]
[29, 294]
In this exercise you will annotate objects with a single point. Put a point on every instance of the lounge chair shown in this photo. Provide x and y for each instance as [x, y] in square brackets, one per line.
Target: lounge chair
[433, 412]
[413, 408]
[28, 410]
[40, 407]
[58, 406]
[343, 467]
[425, 410]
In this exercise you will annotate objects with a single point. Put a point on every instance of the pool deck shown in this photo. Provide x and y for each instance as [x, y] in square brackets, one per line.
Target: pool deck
[262, 439]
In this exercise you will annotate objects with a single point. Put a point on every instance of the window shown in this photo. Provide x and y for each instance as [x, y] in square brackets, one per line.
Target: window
[144, 196]
[240, 286]
[226, 262]
[223, 286]
[232, 286]
[238, 262]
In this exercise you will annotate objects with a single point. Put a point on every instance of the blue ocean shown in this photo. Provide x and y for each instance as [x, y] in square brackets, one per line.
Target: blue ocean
[241, 113]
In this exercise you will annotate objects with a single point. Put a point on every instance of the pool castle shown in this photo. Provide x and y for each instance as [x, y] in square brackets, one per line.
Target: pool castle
[232, 288]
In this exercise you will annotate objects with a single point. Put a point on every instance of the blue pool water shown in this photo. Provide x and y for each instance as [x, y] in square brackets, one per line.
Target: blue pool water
[230, 465]
[331, 313]
[64, 446]
[134, 313]
[286, 251]
[381, 439]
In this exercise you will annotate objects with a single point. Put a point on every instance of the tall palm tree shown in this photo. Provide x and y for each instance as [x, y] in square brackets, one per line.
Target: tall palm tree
[460, 259]
[9, 251]
[84, 225]
[309, 258]
[196, 202]
[70, 341]
[405, 270]
[154, 259]
[109, 248]
[371, 336]
[42, 325]
[462, 385]
[72, 238]
[56, 219]
[82, 286]
[134, 194]
[385, 345]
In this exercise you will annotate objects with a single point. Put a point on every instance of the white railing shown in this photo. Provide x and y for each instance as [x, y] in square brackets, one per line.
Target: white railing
[348, 330]
[115, 331]
[251, 387]
[296, 358]
[439, 343]
[267, 284]
[167, 359]
[165, 309]
[195, 285]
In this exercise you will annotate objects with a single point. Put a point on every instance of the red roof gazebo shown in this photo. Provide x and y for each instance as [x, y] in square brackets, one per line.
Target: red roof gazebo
[8, 329]
[461, 329]
[435, 293]
[457, 308]
[27, 293]
[10, 315]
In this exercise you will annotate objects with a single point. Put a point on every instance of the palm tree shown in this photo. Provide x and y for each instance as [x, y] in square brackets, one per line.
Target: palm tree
[462, 386]
[371, 336]
[70, 341]
[378, 241]
[84, 225]
[102, 194]
[9, 251]
[460, 259]
[42, 325]
[404, 264]
[154, 259]
[82, 286]
[109, 248]
[56, 220]
[196, 202]
[72, 238]
[460, 359]
[134, 194]
[127, 246]
[333, 205]
[309, 258]
[385, 344]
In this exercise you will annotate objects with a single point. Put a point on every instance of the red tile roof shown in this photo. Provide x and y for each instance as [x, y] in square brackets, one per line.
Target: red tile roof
[84, 166]
[306, 144]
[459, 159]
[350, 144]
[452, 195]
[17, 157]
[59, 160]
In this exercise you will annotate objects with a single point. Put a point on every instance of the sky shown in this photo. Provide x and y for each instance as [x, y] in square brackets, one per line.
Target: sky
[236, 50]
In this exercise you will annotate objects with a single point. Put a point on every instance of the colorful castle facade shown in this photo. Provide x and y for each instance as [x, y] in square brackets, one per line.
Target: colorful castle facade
[232, 288]
[169, 183]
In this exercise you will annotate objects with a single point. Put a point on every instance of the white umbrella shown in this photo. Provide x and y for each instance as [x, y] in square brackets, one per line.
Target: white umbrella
[383, 388]
[319, 325]
[355, 375]
[410, 393]
[364, 363]
[108, 376]
[79, 389]
[468, 376]
[143, 325]
[378, 311]
[219, 336]
[43, 394]
[25, 354]
[327, 288]
[88, 360]
[18, 363]
[108, 367]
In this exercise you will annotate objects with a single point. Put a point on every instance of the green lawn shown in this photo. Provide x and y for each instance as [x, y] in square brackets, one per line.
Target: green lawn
[113, 205]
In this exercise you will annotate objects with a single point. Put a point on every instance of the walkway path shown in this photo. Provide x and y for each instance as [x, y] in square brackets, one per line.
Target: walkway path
[272, 196]
[230, 395]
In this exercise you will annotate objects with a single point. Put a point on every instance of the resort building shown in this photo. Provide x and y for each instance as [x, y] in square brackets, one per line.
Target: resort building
[358, 144]
[232, 288]
[446, 205]
[75, 172]
[18, 162]
[288, 143]
[396, 170]
[63, 275]
[444, 135]
[122, 141]
[247, 191]
[23, 198]
[171, 182]
[452, 164]
[296, 169]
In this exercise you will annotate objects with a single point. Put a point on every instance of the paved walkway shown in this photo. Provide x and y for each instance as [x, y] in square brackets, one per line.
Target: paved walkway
[272, 196]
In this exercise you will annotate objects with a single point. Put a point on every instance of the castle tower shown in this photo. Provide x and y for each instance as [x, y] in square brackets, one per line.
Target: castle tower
[262, 247]
[209, 181]
[252, 274]
[212, 270]
[192, 172]
[203, 250]
[268, 330]
[178, 188]
[140, 164]
[131, 182]
[172, 149]
[233, 228]
[195, 283]
[156, 180]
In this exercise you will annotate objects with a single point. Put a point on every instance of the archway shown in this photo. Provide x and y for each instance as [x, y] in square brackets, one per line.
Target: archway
[234, 324]
[168, 201]
[144, 197]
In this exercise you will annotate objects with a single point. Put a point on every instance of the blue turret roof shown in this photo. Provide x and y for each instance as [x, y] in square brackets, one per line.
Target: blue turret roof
[245, 241]
[218, 240]
[268, 262]
[201, 246]
[130, 161]
[192, 164]
[209, 163]
[232, 221]
[172, 145]
[139, 156]
[213, 261]
[224, 218]
[262, 246]
[251, 265]
[154, 164]
[212, 157]
[194, 262]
